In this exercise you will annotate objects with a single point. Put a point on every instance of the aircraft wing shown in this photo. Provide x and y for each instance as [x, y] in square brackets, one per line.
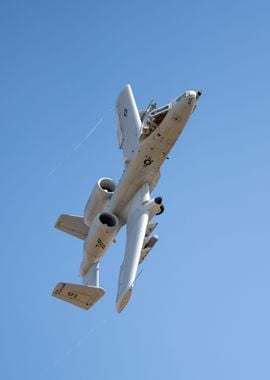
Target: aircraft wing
[128, 122]
[136, 229]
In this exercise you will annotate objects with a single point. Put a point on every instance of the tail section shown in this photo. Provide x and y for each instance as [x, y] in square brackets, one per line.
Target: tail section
[73, 225]
[84, 296]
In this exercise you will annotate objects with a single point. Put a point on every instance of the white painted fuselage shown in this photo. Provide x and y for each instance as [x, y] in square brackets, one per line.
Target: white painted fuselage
[145, 164]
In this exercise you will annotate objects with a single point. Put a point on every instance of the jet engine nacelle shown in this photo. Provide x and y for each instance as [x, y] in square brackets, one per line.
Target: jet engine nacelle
[100, 236]
[101, 193]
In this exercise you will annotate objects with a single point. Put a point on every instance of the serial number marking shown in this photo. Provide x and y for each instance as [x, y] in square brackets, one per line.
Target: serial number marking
[100, 244]
[71, 294]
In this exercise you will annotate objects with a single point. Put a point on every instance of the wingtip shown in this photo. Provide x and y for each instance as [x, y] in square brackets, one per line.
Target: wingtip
[123, 300]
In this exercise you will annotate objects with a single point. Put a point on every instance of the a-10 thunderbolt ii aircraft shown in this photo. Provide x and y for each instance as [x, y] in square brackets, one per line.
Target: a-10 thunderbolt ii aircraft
[146, 139]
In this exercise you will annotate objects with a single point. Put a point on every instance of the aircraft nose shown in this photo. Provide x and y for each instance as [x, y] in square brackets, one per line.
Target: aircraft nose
[188, 99]
[192, 97]
[193, 94]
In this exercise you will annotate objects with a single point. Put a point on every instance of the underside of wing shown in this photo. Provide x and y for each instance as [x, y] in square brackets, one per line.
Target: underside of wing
[136, 230]
[128, 123]
[73, 225]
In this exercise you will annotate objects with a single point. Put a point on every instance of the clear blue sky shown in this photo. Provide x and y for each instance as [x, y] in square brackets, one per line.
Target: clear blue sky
[200, 309]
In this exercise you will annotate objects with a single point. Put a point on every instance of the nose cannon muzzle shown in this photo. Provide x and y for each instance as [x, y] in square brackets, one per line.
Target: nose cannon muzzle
[198, 94]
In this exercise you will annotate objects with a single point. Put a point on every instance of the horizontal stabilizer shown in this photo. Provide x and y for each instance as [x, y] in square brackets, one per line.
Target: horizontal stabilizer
[73, 225]
[79, 295]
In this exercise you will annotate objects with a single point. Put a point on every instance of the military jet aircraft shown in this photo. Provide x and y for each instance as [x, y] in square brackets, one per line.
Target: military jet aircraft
[146, 138]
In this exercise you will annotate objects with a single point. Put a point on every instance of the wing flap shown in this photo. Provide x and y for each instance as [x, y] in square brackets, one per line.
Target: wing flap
[73, 225]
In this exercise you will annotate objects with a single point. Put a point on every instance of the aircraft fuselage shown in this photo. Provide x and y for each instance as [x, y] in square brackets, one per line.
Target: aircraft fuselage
[147, 159]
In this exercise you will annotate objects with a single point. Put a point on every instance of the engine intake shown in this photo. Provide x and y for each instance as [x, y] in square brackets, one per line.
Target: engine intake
[107, 184]
[101, 194]
[108, 219]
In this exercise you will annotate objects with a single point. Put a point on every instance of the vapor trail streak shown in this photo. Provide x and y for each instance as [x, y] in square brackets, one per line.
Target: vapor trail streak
[76, 147]
[88, 135]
